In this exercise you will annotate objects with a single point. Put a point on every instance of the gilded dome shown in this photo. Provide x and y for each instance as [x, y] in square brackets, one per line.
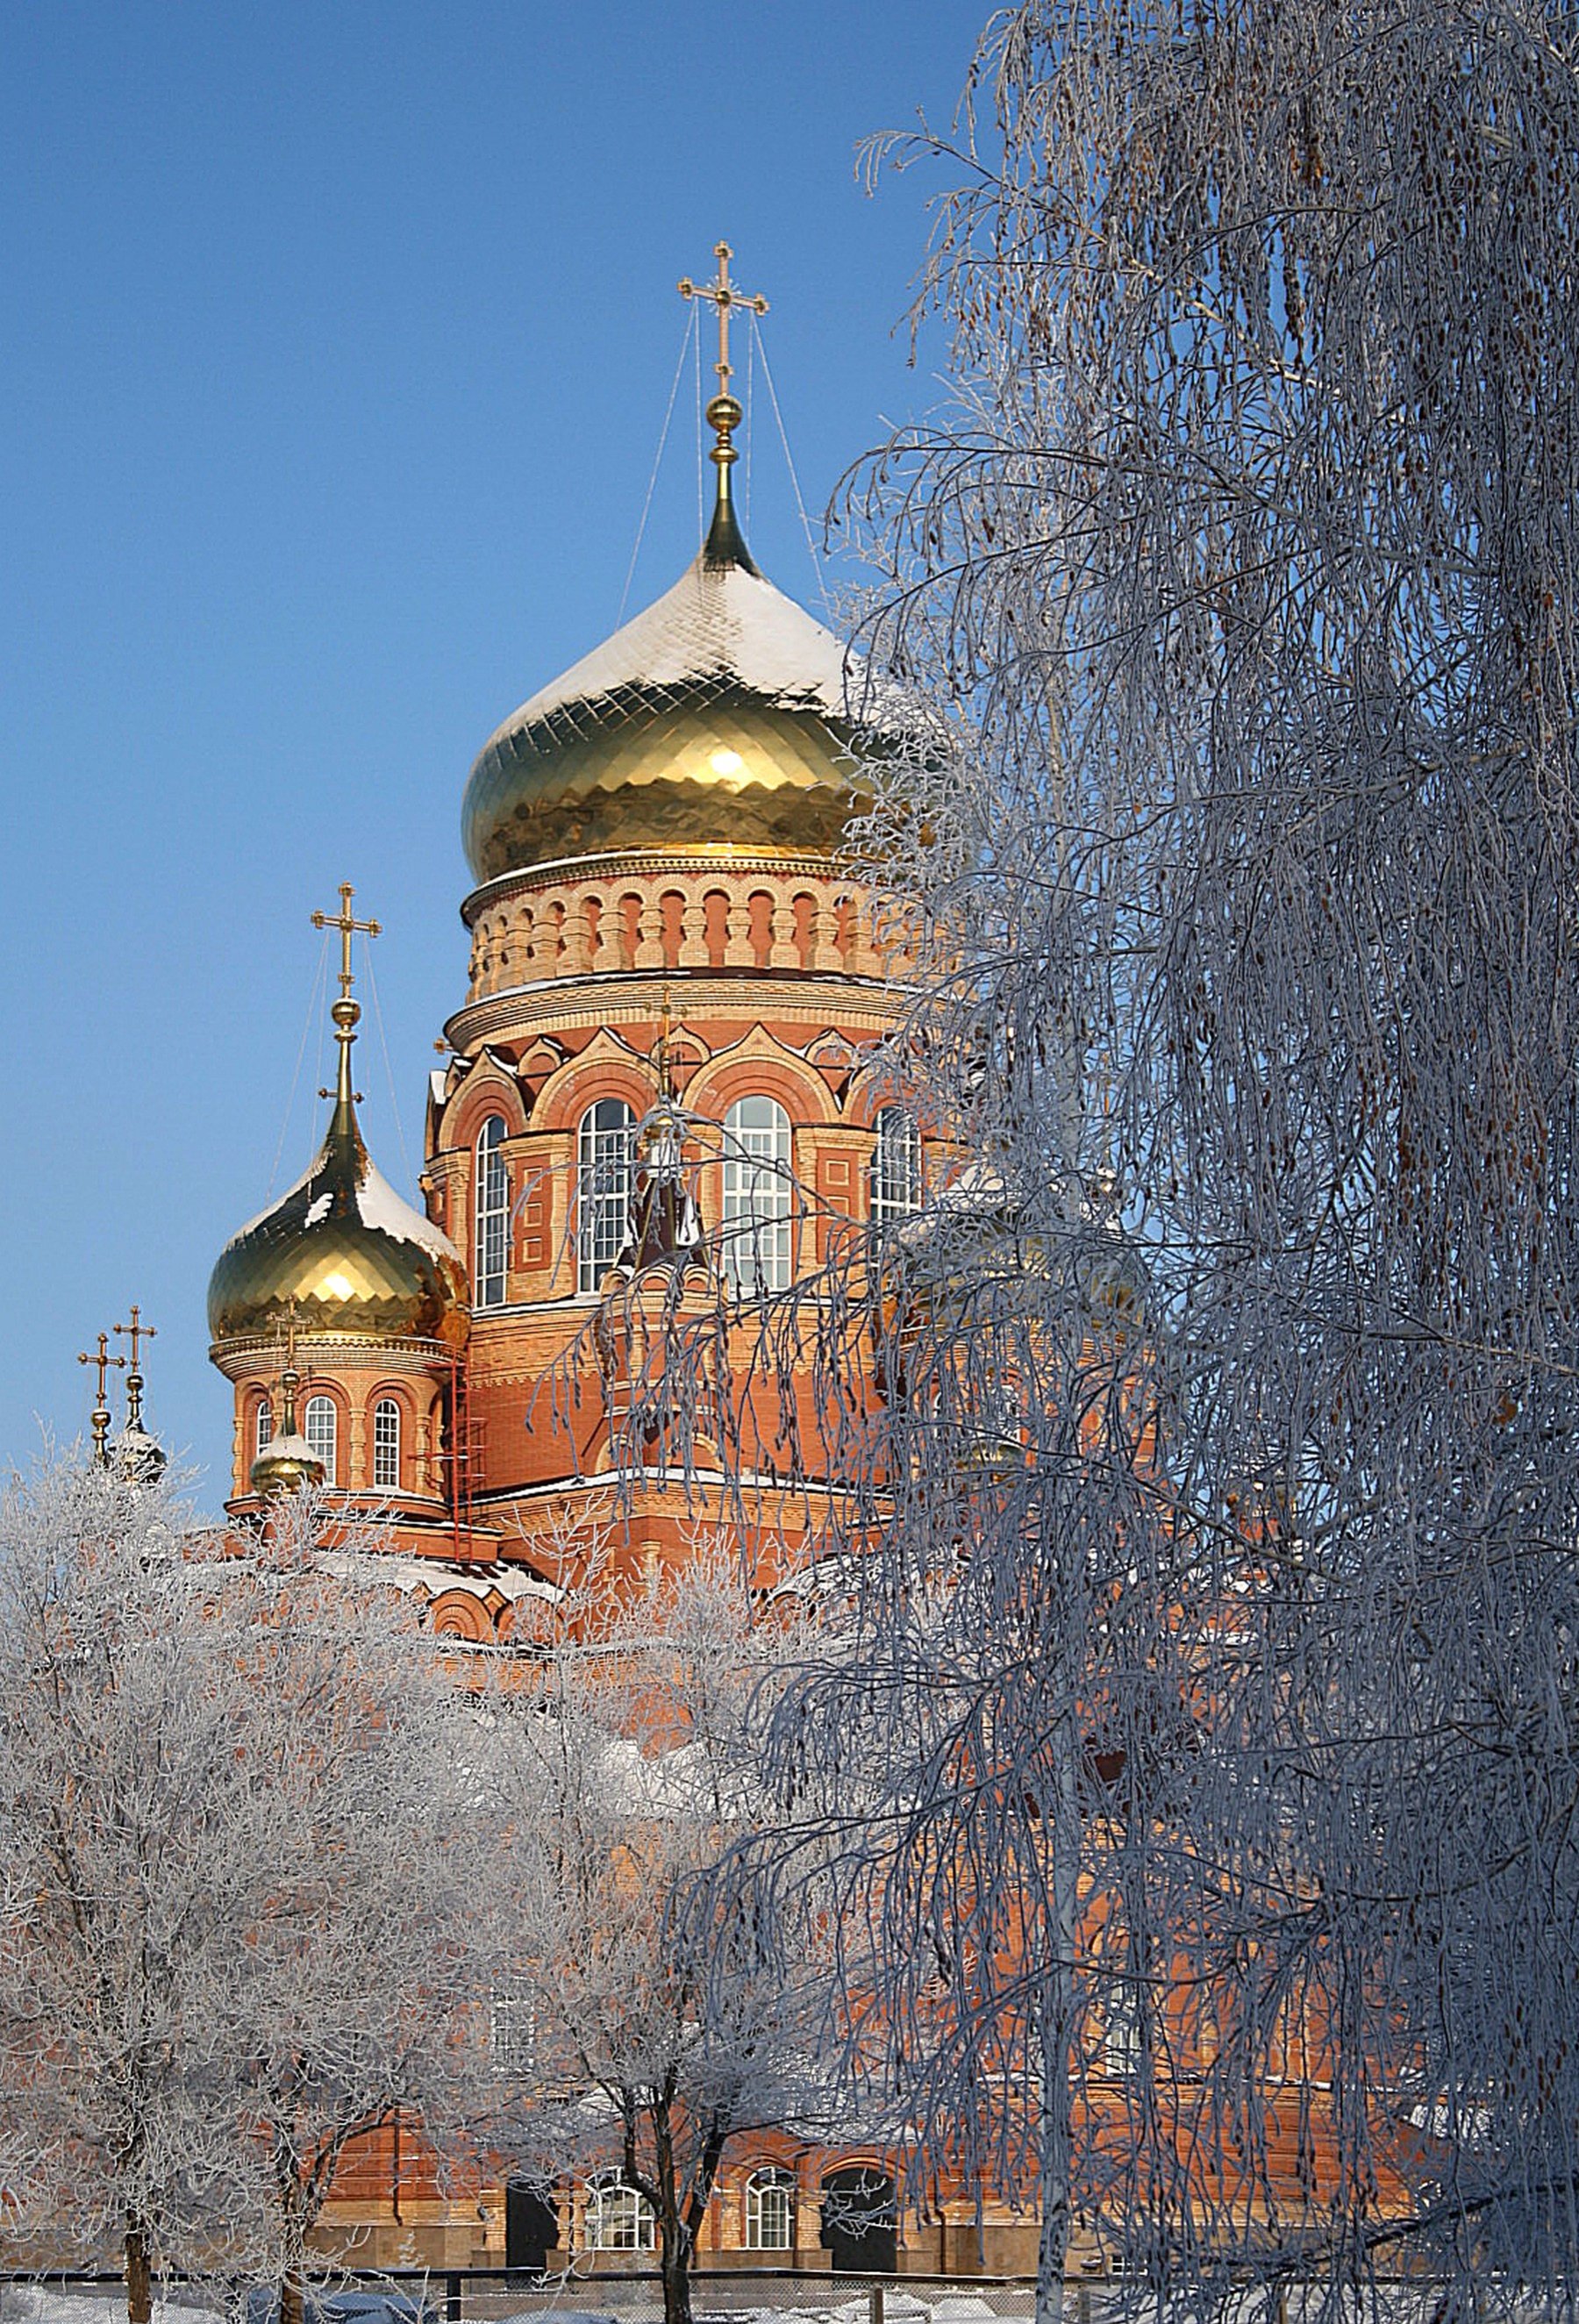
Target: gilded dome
[344, 1255]
[717, 717]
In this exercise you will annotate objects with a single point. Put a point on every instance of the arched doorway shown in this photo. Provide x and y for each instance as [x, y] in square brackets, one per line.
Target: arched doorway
[860, 2220]
[532, 2228]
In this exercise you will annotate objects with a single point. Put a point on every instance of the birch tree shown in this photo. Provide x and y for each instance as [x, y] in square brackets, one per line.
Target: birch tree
[660, 2029]
[1240, 570]
[233, 1901]
[348, 1994]
[119, 1714]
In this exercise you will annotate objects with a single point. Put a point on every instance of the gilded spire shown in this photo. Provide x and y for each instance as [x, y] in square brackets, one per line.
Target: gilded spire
[345, 1011]
[137, 1454]
[100, 1415]
[287, 1462]
[725, 545]
[137, 1332]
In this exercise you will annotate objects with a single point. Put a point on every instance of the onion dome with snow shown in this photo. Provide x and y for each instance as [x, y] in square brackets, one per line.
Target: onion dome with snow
[340, 1255]
[716, 718]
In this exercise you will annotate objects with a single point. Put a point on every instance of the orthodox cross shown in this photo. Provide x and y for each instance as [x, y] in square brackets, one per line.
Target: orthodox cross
[724, 295]
[348, 927]
[100, 1416]
[137, 1332]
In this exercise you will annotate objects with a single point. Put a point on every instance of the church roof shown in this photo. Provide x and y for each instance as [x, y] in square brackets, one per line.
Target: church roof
[721, 623]
[714, 719]
[343, 1254]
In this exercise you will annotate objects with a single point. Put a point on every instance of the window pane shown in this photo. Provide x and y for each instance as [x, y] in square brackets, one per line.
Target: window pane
[491, 1241]
[756, 1225]
[319, 1432]
[896, 1166]
[386, 1443]
[770, 2212]
[265, 1423]
[512, 2034]
[619, 2220]
[603, 1189]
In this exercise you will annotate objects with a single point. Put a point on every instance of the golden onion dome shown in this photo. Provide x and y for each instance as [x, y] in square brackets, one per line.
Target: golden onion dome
[287, 1463]
[342, 1255]
[716, 718]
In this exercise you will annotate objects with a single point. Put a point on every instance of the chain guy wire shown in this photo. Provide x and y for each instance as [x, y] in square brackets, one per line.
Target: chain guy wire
[388, 1068]
[686, 337]
[314, 1017]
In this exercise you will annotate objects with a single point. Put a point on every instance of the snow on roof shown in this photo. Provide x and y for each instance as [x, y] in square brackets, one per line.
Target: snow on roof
[439, 1574]
[382, 1207]
[377, 1206]
[718, 622]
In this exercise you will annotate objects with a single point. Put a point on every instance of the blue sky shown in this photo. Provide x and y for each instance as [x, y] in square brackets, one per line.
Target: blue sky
[335, 348]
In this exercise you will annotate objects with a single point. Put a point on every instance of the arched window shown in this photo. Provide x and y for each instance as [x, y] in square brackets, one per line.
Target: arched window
[386, 1444]
[896, 1166]
[491, 1203]
[618, 2218]
[757, 1224]
[319, 1428]
[770, 2212]
[603, 1188]
[266, 1425]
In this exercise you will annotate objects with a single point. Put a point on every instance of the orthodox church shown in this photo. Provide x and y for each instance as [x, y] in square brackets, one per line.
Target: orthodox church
[659, 1090]
[672, 988]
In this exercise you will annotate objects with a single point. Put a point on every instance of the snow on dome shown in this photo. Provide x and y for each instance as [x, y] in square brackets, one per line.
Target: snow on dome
[717, 717]
[718, 622]
[344, 1255]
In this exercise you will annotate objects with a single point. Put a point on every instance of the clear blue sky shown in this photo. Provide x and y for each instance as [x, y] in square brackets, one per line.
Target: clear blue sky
[335, 342]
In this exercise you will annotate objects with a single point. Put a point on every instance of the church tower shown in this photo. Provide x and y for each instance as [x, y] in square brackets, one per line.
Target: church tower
[662, 934]
[343, 1274]
[659, 1075]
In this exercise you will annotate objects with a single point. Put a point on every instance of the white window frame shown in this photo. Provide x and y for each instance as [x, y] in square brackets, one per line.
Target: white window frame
[757, 1223]
[490, 1215]
[896, 1166]
[264, 1427]
[386, 1444]
[770, 2210]
[324, 1441]
[605, 1158]
[513, 2035]
[618, 2219]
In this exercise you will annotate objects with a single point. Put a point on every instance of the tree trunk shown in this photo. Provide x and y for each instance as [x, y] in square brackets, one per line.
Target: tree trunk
[674, 2233]
[1056, 2029]
[139, 2271]
[290, 2302]
[676, 2265]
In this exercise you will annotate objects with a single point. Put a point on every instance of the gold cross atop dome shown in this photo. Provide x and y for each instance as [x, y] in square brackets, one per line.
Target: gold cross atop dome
[104, 1363]
[724, 413]
[348, 926]
[136, 1331]
[345, 1010]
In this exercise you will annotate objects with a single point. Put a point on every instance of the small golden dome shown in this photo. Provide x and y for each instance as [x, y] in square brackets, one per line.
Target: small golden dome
[716, 718]
[343, 1255]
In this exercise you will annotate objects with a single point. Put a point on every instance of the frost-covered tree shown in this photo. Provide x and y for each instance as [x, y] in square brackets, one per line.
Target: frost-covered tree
[1212, 1541]
[121, 1870]
[348, 1993]
[642, 2030]
[233, 1923]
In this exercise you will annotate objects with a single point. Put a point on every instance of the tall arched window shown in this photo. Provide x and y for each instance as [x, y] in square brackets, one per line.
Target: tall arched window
[603, 1189]
[386, 1444]
[896, 1166]
[618, 2218]
[491, 1206]
[757, 1224]
[319, 1428]
[266, 1425]
[770, 2212]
